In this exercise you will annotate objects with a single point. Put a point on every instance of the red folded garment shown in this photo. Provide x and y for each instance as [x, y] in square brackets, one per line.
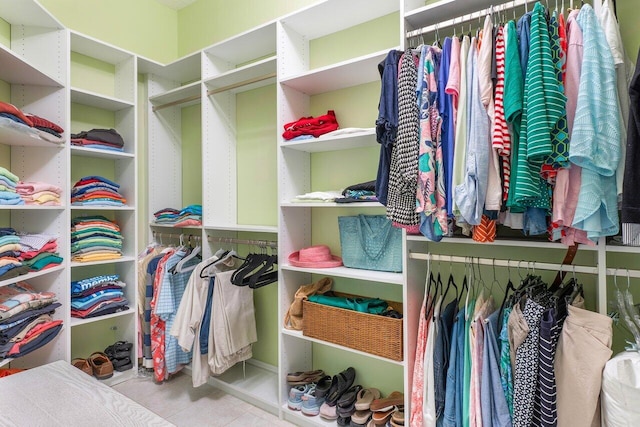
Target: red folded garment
[12, 109]
[39, 121]
[314, 126]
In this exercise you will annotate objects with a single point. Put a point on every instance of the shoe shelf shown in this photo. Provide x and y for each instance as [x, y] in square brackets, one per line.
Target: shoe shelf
[300, 419]
[119, 377]
[350, 273]
[29, 276]
[299, 335]
[254, 381]
[75, 321]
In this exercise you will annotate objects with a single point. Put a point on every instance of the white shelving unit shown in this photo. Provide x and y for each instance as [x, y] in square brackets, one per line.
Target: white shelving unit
[35, 66]
[117, 100]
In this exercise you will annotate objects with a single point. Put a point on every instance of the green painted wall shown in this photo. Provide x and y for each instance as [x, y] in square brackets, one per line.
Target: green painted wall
[208, 21]
[5, 32]
[145, 27]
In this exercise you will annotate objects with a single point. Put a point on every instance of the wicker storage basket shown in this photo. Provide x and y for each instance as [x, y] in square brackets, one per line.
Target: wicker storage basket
[371, 333]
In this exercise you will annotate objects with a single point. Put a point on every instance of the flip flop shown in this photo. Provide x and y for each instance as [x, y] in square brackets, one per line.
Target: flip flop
[306, 377]
[322, 386]
[396, 398]
[365, 397]
[339, 384]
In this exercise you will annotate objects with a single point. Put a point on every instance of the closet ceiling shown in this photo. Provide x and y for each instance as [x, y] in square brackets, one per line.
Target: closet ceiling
[176, 4]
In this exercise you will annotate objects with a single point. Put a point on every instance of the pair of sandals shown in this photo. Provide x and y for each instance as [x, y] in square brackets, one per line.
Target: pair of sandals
[119, 354]
[332, 388]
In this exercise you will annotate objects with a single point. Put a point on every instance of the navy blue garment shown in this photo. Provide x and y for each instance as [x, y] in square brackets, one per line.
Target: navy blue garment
[524, 31]
[445, 109]
[29, 314]
[387, 122]
[206, 319]
[441, 354]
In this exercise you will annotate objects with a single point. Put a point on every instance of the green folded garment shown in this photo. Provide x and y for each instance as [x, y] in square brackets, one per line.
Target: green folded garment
[363, 305]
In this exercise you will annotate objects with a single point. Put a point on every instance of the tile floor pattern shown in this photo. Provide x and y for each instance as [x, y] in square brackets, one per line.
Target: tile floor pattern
[179, 403]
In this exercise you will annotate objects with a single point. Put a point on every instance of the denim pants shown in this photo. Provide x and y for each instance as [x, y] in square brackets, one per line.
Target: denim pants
[453, 395]
[441, 356]
[495, 412]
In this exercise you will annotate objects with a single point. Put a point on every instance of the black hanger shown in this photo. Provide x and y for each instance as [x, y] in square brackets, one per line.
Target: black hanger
[222, 257]
[253, 262]
[261, 274]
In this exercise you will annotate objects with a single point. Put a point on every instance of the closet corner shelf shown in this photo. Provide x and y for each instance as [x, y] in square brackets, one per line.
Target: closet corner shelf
[247, 77]
[184, 69]
[102, 208]
[438, 11]
[366, 138]
[9, 136]
[188, 91]
[16, 70]
[101, 154]
[258, 384]
[300, 335]
[93, 99]
[246, 46]
[341, 75]
[94, 48]
[31, 208]
[246, 228]
[75, 321]
[299, 418]
[500, 242]
[331, 205]
[29, 276]
[109, 261]
[351, 273]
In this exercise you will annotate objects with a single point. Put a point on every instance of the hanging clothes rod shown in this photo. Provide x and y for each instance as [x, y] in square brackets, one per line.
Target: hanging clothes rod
[214, 91]
[264, 243]
[240, 84]
[176, 236]
[504, 263]
[468, 17]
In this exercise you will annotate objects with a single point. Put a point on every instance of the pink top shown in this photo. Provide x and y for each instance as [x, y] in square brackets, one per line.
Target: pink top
[453, 84]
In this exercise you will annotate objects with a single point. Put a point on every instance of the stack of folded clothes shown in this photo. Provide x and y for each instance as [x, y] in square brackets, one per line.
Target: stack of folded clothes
[39, 193]
[10, 249]
[363, 192]
[189, 216]
[30, 124]
[97, 296]
[8, 184]
[95, 238]
[96, 191]
[39, 251]
[102, 139]
[26, 321]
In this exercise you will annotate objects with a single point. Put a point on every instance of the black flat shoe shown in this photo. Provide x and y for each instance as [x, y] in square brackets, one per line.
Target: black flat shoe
[340, 384]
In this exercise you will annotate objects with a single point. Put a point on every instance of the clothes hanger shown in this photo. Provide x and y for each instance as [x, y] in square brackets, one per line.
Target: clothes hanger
[259, 276]
[215, 261]
[194, 253]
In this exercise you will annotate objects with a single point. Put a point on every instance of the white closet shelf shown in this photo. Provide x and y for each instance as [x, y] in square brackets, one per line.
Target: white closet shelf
[247, 77]
[331, 205]
[30, 208]
[350, 273]
[10, 136]
[502, 242]
[119, 377]
[299, 418]
[187, 91]
[185, 69]
[341, 75]
[366, 138]
[29, 276]
[257, 384]
[622, 249]
[444, 9]
[101, 154]
[299, 335]
[75, 321]
[103, 208]
[244, 47]
[247, 228]
[20, 12]
[93, 99]
[109, 261]
[4, 362]
[171, 227]
[17, 70]
[351, 13]
[97, 49]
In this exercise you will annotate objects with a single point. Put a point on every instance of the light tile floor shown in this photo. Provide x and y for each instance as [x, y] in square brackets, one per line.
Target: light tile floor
[181, 404]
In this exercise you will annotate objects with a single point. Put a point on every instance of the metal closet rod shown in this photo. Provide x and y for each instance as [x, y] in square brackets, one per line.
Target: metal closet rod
[505, 263]
[265, 243]
[468, 17]
[214, 91]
